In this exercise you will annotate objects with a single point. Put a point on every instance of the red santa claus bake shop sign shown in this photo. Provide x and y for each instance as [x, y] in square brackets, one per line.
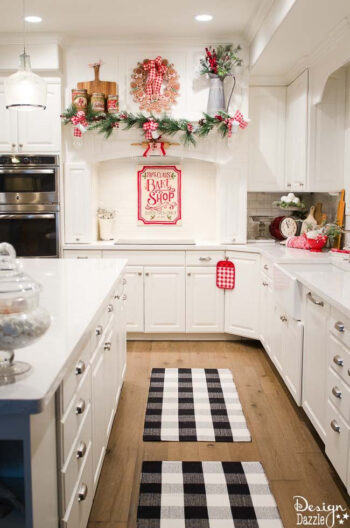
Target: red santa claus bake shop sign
[159, 194]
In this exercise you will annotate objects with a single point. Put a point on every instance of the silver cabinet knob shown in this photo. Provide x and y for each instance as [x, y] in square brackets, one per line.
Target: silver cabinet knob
[81, 450]
[13, 145]
[77, 239]
[147, 274]
[289, 184]
[99, 330]
[124, 297]
[110, 308]
[82, 493]
[205, 259]
[80, 408]
[139, 273]
[283, 318]
[266, 267]
[265, 283]
[339, 326]
[80, 367]
[124, 281]
[335, 426]
[117, 297]
[20, 145]
[189, 274]
[337, 392]
[338, 360]
[107, 346]
[314, 301]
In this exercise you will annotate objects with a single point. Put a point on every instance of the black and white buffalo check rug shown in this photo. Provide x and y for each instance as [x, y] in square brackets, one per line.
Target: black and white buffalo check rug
[206, 495]
[194, 405]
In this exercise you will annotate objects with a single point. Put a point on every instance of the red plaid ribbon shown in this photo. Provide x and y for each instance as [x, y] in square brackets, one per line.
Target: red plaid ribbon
[79, 120]
[149, 127]
[240, 119]
[156, 71]
[225, 275]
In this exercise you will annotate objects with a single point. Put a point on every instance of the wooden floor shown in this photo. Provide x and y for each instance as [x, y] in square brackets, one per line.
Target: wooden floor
[281, 437]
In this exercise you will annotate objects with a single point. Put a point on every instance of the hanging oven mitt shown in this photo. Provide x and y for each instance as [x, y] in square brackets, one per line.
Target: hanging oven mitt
[225, 275]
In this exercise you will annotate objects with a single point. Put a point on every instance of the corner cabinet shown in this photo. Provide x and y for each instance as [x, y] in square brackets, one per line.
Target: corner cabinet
[243, 302]
[297, 133]
[32, 131]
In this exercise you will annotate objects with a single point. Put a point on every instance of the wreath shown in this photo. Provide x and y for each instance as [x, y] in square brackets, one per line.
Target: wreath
[155, 85]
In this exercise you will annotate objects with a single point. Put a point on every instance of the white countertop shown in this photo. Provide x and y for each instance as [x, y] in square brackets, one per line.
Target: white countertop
[73, 291]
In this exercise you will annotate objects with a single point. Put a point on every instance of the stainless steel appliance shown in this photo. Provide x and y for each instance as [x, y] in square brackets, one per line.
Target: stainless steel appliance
[29, 204]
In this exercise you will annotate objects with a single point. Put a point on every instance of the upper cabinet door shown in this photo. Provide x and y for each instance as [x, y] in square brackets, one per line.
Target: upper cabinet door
[165, 299]
[135, 299]
[267, 111]
[8, 125]
[232, 187]
[41, 131]
[327, 136]
[80, 226]
[296, 133]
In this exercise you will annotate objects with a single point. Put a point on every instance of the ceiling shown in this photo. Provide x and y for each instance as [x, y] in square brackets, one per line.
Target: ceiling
[307, 25]
[136, 20]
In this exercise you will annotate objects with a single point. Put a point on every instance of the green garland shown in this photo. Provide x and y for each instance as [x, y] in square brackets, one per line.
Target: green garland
[106, 123]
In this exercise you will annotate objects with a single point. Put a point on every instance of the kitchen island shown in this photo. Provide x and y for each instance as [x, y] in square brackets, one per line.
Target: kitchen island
[56, 419]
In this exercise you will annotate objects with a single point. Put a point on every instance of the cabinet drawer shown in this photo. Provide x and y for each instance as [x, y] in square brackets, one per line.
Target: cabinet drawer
[339, 358]
[337, 441]
[78, 511]
[75, 461]
[82, 254]
[339, 325]
[76, 372]
[149, 258]
[73, 418]
[266, 266]
[204, 258]
[338, 393]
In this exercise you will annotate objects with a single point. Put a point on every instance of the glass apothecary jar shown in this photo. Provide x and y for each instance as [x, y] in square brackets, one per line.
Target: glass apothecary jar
[22, 320]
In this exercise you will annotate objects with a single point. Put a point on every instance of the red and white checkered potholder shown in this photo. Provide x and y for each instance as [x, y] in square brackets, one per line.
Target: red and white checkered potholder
[225, 275]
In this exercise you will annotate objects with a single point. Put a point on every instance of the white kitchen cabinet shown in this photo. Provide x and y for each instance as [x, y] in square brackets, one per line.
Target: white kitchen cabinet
[37, 131]
[165, 299]
[292, 355]
[100, 401]
[276, 353]
[297, 133]
[267, 111]
[232, 204]
[204, 300]
[242, 303]
[327, 136]
[79, 203]
[315, 362]
[266, 312]
[135, 316]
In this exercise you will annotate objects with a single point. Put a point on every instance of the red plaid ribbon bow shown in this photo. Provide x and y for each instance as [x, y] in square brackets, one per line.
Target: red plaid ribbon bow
[240, 119]
[149, 127]
[156, 71]
[79, 120]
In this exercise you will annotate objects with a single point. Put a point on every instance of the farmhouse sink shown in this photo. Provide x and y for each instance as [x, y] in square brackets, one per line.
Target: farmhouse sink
[287, 288]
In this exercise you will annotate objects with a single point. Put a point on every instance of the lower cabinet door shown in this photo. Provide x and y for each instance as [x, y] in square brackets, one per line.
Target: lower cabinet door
[99, 412]
[204, 301]
[243, 302]
[165, 299]
[266, 312]
[135, 321]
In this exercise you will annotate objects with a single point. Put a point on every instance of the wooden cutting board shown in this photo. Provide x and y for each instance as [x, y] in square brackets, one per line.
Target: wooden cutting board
[105, 87]
[340, 217]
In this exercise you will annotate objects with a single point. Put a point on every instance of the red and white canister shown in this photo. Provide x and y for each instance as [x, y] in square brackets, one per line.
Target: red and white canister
[225, 275]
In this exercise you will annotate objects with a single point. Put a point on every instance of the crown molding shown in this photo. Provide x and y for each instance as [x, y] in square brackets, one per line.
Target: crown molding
[257, 19]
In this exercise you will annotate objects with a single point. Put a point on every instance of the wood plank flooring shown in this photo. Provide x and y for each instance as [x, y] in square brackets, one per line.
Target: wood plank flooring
[282, 439]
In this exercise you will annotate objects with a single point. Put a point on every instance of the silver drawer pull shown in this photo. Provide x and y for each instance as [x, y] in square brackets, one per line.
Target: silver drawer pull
[266, 267]
[124, 297]
[335, 426]
[117, 297]
[338, 360]
[81, 450]
[82, 493]
[80, 408]
[80, 367]
[265, 283]
[82, 257]
[315, 301]
[339, 326]
[205, 259]
[107, 346]
[110, 308]
[337, 392]
[99, 330]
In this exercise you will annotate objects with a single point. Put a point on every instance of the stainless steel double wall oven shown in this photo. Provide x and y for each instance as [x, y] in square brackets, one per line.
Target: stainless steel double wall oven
[29, 204]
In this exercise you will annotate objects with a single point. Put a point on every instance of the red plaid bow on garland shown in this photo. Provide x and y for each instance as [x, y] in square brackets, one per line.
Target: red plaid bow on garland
[156, 71]
[149, 127]
[80, 123]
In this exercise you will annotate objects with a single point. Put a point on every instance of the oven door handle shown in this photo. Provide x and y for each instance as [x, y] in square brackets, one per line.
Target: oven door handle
[34, 216]
[27, 171]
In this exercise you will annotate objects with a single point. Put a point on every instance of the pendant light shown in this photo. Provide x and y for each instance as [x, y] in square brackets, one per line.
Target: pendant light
[24, 90]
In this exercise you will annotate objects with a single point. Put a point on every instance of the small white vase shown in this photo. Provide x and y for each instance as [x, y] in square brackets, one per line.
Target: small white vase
[106, 228]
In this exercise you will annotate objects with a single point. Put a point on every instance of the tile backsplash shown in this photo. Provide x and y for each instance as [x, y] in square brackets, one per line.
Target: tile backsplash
[261, 204]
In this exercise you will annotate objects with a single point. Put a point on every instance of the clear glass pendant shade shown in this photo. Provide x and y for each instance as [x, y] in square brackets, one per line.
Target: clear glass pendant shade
[24, 90]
